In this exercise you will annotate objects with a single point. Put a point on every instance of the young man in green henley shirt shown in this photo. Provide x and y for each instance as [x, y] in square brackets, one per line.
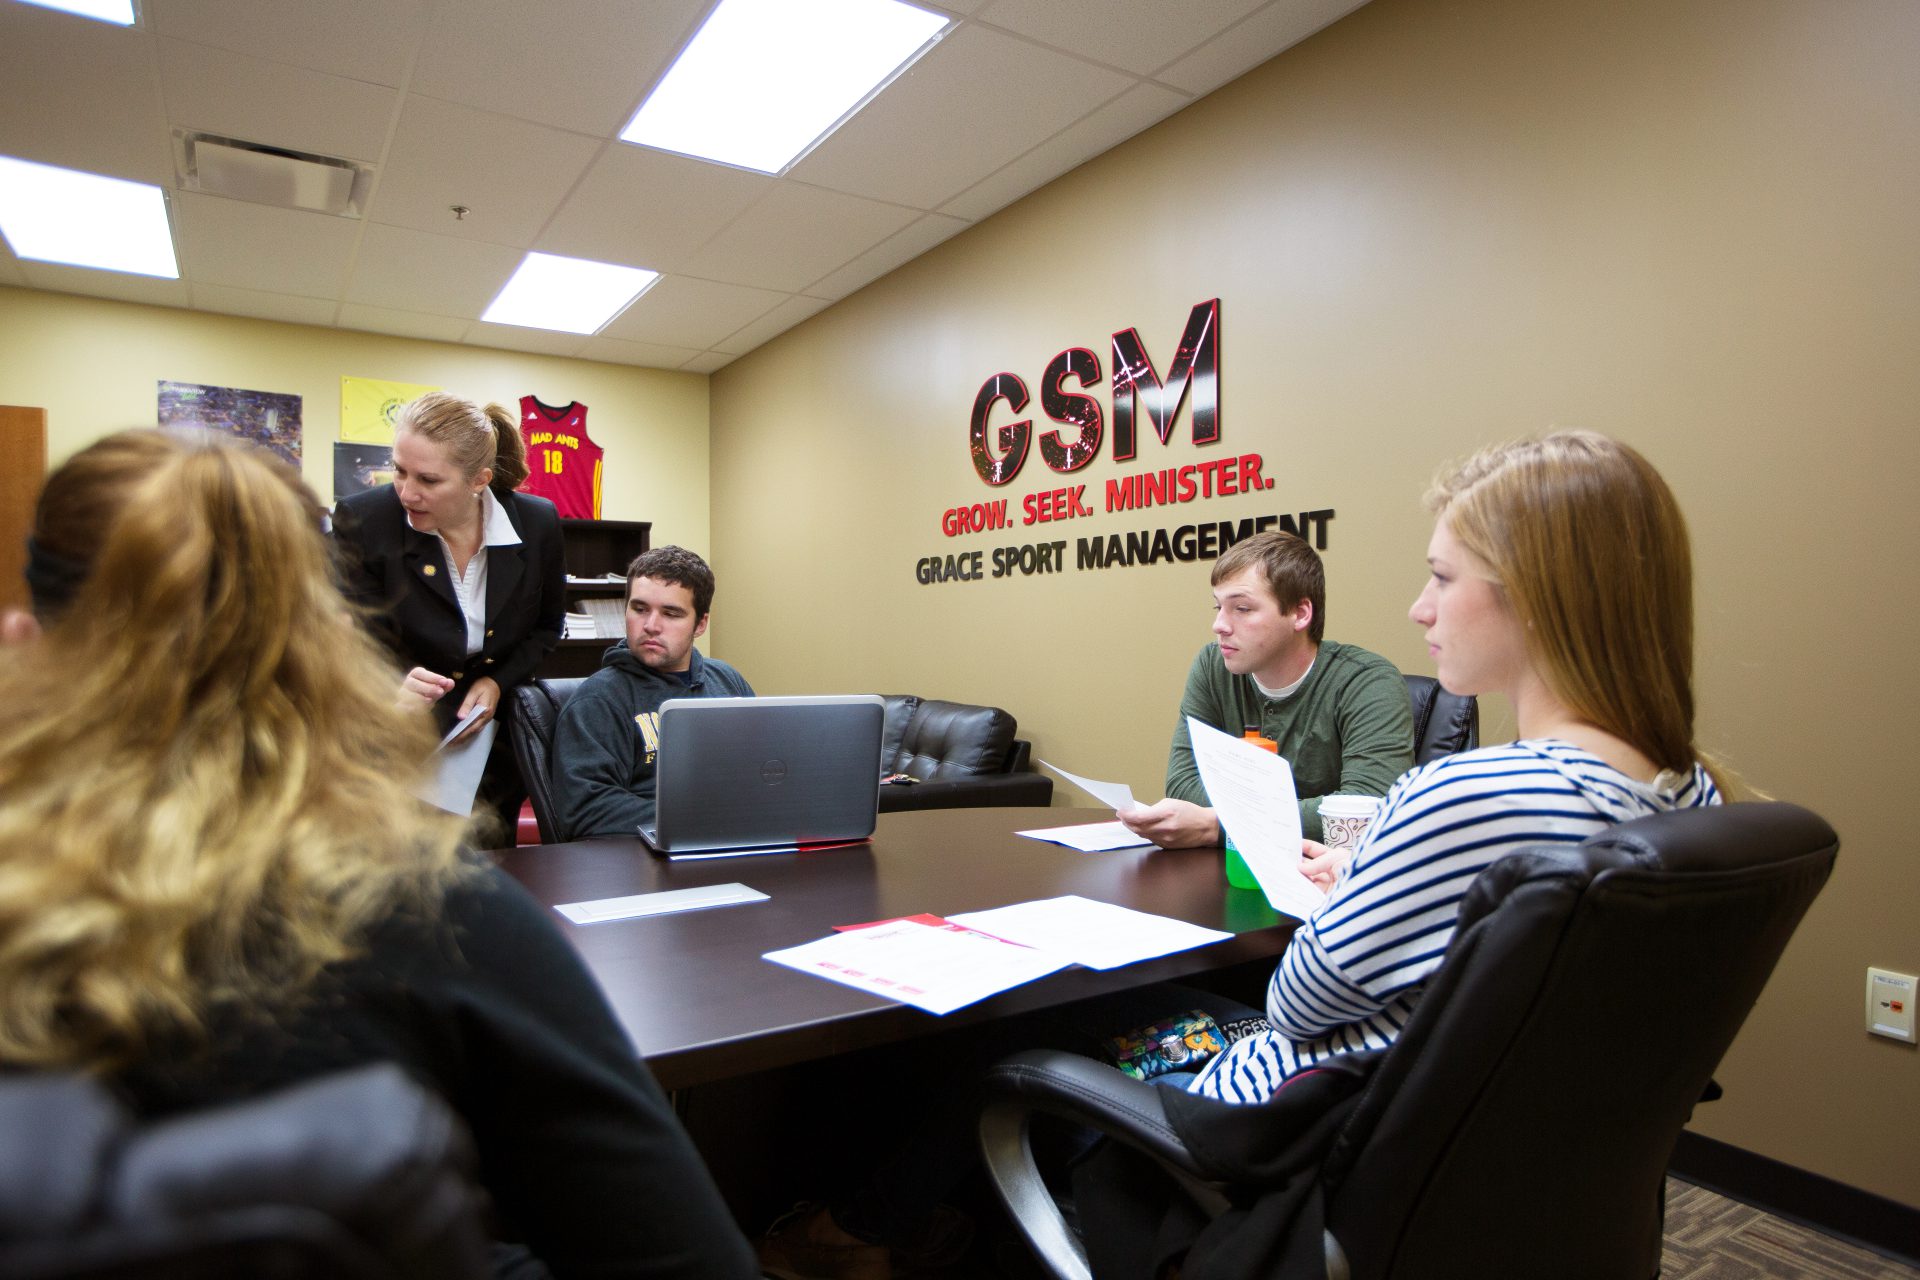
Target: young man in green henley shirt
[1339, 713]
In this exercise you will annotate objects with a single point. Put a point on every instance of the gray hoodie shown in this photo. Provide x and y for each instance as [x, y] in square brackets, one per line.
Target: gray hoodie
[609, 733]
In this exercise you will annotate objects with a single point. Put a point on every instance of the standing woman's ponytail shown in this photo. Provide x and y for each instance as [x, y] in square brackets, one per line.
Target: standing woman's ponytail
[474, 438]
[510, 451]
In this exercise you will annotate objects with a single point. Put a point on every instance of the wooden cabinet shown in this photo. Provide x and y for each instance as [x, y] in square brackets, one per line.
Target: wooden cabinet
[594, 548]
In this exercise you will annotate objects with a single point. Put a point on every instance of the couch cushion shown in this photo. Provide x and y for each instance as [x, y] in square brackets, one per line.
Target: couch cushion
[893, 728]
[947, 740]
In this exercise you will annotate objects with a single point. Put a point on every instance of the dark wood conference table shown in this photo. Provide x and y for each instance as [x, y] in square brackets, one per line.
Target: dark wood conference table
[694, 994]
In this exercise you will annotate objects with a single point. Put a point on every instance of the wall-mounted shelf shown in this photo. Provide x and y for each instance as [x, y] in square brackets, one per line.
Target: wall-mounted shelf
[594, 548]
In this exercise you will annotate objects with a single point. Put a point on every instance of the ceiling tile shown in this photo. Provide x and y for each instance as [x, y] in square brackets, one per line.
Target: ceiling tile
[81, 94]
[262, 306]
[240, 96]
[1137, 35]
[796, 235]
[650, 209]
[371, 40]
[652, 355]
[681, 311]
[1111, 125]
[904, 146]
[413, 271]
[509, 109]
[511, 337]
[709, 362]
[775, 322]
[1234, 52]
[511, 175]
[402, 324]
[901, 247]
[106, 284]
[255, 246]
[584, 66]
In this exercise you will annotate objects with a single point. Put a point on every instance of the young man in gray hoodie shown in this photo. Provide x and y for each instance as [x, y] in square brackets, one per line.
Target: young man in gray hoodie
[609, 732]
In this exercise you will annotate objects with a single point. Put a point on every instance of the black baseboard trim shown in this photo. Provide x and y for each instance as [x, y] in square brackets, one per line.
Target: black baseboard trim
[1859, 1217]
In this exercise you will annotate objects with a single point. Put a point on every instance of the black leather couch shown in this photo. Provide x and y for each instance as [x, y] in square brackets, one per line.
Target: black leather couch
[965, 757]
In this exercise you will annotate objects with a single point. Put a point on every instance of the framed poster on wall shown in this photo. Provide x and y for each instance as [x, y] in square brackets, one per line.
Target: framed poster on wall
[266, 418]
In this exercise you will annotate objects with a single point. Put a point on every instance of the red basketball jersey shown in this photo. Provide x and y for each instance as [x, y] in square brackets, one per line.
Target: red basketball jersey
[562, 463]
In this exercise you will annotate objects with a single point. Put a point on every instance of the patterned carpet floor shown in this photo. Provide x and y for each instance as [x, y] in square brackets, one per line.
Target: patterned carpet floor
[1710, 1237]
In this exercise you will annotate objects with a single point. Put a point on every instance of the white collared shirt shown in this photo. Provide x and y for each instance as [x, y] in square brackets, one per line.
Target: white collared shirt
[471, 588]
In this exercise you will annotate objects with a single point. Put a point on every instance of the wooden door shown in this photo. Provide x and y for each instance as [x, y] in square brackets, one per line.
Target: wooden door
[23, 467]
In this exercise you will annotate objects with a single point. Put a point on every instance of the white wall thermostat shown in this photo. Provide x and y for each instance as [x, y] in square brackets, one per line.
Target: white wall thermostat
[1890, 1004]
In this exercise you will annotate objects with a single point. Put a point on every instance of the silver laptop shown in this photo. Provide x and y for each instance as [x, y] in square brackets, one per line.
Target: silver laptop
[765, 775]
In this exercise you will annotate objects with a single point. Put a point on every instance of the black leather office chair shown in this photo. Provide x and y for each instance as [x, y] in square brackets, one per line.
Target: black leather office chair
[965, 757]
[1521, 1124]
[536, 710]
[1443, 722]
[362, 1174]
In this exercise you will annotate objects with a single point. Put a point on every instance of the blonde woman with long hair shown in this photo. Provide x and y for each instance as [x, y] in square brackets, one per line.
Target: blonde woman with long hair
[1559, 576]
[215, 879]
[462, 575]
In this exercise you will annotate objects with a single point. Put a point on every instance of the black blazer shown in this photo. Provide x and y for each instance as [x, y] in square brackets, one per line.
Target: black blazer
[401, 574]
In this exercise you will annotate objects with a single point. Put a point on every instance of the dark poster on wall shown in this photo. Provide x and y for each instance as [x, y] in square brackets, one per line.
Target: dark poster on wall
[358, 467]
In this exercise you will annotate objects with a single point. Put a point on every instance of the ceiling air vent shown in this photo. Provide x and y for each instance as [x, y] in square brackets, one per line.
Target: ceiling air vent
[261, 174]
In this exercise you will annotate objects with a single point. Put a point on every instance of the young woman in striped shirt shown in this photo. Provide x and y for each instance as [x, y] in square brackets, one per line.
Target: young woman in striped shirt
[1560, 577]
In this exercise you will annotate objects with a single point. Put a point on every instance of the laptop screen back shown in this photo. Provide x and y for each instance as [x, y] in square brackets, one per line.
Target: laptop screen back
[742, 773]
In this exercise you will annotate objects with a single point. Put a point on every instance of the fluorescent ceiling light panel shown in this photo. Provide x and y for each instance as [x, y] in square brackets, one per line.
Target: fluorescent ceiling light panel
[764, 80]
[571, 295]
[118, 12]
[85, 220]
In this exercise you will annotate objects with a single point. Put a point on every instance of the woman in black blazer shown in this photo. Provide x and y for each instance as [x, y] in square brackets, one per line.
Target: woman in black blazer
[465, 577]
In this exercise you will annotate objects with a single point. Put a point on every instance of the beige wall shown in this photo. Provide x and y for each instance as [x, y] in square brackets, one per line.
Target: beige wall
[1691, 225]
[93, 366]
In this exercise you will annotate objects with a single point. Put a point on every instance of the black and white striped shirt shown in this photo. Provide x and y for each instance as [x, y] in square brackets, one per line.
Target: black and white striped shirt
[1353, 972]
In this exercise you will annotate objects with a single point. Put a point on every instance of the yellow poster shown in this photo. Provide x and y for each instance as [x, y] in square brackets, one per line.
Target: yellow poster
[367, 406]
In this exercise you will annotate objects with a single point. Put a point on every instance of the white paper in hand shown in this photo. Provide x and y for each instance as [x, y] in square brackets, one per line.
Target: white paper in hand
[460, 725]
[1117, 796]
[457, 766]
[1252, 791]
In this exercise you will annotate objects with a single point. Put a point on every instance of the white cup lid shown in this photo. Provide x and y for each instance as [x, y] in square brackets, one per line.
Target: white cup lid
[1349, 806]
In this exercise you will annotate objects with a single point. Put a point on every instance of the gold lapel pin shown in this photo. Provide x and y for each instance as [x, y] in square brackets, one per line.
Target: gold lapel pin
[429, 570]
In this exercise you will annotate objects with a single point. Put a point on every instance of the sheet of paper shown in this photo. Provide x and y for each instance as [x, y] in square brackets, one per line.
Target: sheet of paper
[1252, 791]
[459, 726]
[456, 776]
[1114, 795]
[934, 967]
[1089, 837]
[925, 917]
[1098, 935]
[666, 902]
